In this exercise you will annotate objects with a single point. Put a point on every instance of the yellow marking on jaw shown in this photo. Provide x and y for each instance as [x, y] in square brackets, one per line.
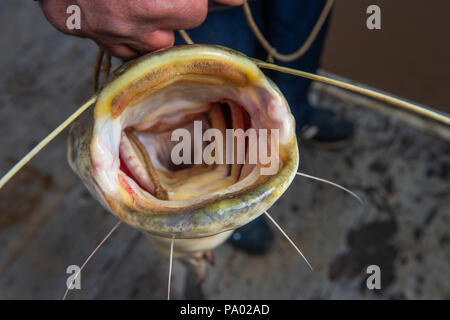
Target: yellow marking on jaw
[150, 71]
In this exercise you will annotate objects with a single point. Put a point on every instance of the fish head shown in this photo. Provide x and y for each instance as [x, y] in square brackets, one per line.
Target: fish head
[193, 103]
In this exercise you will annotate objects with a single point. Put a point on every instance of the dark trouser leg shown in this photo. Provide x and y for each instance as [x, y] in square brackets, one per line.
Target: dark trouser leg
[288, 25]
[227, 28]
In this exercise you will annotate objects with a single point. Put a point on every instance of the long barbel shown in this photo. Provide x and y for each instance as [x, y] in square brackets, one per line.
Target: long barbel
[30, 155]
[440, 117]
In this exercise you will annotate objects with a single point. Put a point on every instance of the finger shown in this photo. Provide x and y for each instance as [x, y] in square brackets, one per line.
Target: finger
[231, 2]
[189, 14]
[154, 40]
[122, 51]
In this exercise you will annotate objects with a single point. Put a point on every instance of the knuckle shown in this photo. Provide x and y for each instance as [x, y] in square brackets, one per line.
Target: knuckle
[112, 27]
[196, 11]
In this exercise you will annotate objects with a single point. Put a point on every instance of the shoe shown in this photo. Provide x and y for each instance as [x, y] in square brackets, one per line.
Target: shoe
[323, 127]
[254, 238]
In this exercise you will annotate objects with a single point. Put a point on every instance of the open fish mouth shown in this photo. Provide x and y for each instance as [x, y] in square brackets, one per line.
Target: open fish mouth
[123, 148]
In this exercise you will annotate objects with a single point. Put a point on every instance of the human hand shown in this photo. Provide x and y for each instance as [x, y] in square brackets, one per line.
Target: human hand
[126, 28]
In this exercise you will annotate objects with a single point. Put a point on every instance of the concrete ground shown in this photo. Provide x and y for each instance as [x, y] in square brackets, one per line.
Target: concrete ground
[48, 220]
